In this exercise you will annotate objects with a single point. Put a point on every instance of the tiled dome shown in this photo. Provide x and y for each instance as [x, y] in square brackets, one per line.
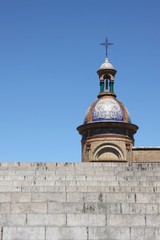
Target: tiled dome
[107, 108]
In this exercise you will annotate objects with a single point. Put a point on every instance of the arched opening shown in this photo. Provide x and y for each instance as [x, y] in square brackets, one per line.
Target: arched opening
[108, 152]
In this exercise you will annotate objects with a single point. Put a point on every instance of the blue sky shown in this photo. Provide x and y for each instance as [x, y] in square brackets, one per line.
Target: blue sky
[49, 55]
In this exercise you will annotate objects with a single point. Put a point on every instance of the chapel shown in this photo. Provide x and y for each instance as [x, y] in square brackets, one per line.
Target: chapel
[107, 131]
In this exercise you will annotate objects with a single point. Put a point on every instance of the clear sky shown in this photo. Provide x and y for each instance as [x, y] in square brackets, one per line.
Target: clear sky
[49, 55]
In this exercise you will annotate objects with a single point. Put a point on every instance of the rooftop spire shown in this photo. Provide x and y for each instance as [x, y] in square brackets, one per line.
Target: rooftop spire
[106, 44]
[106, 74]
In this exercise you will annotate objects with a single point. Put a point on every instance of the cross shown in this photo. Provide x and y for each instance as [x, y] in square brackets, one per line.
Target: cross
[106, 44]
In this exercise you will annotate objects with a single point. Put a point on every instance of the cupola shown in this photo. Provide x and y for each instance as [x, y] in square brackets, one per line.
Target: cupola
[107, 132]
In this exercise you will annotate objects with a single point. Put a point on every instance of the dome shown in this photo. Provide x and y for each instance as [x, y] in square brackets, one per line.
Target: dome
[106, 65]
[107, 108]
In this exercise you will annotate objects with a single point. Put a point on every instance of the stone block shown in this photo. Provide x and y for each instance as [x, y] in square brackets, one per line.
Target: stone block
[81, 172]
[45, 189]
[4, 165]
[71, 189]
[98, 189]
[46, 219]
[122, 174]
[8, 189]
[66, 183]
[138, 233]
[156, 183]
[113, 208]
[20, 197]
[45, 183]
[47, 197]
[152, 209]
[74, 177]
[109, 233]
[2, 172]
[148, 189]
[143, 233]
[140, 208]
[155, 173]
[153, 220]
[103, 172]
[5, 182]
[76, 189]
[103, 177]
[125, 220]
[31, 189]
[150, 233]
[55, 177]
[5, 197]
[24, 233]
[63, 172]
[12, 219]
[128, 184]
[14, 166]
[45, 172]
[147, 198]
[50, 165]
[16, 183]
[85, 197]
[112, 189]
[120, 197]
[108, 183]
[23, 173]
[63, 207]
[132, 208]
[28, 207]
[86, 183]
[5, 207]
[157, 233]
[12, 177]
[66, 233]
[101, 207]
[86, 220]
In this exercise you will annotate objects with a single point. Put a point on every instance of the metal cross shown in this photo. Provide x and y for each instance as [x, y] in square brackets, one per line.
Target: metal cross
[106, 44]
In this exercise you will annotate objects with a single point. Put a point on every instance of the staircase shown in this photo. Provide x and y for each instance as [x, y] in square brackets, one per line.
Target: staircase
[79, 201]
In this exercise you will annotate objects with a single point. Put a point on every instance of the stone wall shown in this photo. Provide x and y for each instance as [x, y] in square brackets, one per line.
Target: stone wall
[146, 154]
[79, 201]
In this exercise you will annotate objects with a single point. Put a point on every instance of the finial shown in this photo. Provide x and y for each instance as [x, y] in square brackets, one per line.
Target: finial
[106, 44]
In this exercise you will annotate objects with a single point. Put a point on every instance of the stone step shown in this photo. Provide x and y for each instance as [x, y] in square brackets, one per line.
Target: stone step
[90, 189]
[102, 197]
[80, 175]
[53, 166]
[73, 183]
[78, 201]
[80, 233]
